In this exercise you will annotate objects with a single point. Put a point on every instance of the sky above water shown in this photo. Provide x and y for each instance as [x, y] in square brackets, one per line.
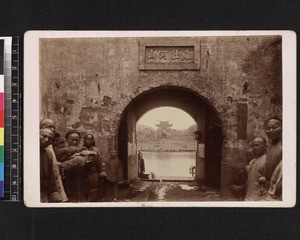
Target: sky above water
[179, 118]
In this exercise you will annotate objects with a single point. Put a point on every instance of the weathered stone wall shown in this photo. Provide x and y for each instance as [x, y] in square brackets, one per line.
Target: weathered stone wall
[87, 83]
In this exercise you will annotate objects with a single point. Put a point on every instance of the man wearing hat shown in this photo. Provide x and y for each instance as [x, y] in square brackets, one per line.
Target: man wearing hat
[73, 160]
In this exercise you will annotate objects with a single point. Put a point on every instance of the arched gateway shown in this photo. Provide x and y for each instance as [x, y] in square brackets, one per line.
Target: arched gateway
[229, 85]
[209, 136]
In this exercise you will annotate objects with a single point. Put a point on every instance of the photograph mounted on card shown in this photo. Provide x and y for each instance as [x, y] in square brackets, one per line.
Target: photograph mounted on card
[160, 119]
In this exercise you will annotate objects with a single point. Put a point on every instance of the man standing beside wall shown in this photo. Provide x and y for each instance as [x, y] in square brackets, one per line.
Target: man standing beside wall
[256, 170]
[49, 191]
[273, 128]
[50, 124]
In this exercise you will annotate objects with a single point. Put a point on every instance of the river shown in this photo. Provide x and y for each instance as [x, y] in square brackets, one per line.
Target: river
[169, 165]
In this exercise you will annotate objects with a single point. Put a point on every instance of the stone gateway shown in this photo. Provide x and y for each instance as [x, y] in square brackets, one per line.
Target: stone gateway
[229, 85]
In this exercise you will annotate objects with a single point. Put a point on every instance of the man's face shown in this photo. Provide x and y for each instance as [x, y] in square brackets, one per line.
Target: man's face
[273, 129]
[48, 123]
[73, 140]
[249, 154]
[88, 141]
[258, 146]
[46, 137]
[59, 143]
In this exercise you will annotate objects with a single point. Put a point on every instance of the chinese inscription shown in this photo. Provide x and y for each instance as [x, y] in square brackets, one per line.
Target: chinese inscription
[169, 54]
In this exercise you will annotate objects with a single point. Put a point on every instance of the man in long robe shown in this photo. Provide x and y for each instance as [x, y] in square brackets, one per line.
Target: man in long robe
[48, 187]
[275, 190]
[256, 171]
[273, 128]
[96, 171]
[50, 124]
[73, 160]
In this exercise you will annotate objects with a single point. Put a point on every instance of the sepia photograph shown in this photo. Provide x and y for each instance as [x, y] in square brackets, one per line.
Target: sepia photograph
[160, 119]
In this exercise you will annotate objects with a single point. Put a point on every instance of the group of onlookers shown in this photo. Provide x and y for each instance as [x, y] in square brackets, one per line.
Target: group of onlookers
[264, 171]
[72, 170]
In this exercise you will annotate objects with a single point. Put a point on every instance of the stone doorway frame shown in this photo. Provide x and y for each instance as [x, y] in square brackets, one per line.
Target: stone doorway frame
[135, 103]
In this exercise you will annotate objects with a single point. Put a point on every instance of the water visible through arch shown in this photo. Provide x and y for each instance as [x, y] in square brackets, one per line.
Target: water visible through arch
[166, 143]
[209, 138]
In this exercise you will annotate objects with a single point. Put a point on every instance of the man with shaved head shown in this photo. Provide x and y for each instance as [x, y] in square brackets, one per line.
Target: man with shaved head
[46, 138]
[49, 191]
[256, 170]
[274, 152]
[50, 125]
[75, 161]
[273, 168]
[96, 174]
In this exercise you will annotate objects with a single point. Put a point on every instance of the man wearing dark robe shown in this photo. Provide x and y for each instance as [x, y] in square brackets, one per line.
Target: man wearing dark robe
[95, 170]
[72, 162]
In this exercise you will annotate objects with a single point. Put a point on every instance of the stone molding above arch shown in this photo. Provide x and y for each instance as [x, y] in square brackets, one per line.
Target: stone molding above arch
[139, 92]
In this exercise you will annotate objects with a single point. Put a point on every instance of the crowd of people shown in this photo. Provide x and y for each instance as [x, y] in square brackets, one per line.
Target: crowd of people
[74, 171]
[71, 171]
[261, 179]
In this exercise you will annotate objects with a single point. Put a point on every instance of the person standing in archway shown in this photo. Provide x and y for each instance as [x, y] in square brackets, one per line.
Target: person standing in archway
[141, 165]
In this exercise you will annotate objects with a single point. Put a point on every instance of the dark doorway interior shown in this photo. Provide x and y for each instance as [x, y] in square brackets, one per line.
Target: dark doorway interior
[213, 150]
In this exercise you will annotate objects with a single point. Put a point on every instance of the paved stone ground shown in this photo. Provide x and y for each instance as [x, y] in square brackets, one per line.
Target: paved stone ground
[142, 191]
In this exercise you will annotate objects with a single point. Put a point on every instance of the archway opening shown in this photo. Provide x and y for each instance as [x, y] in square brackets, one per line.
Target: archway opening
[208, 136]
[166, 144]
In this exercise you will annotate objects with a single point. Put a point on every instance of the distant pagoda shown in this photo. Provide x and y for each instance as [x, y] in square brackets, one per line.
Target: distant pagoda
[164, 128]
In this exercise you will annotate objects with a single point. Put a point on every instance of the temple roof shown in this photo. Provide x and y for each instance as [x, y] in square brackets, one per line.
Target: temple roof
[164, 124]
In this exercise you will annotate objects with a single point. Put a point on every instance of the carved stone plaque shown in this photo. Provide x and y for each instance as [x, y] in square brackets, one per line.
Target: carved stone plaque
[170, 54]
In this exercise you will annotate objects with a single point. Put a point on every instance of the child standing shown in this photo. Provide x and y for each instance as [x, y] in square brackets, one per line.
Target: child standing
[115, 173]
